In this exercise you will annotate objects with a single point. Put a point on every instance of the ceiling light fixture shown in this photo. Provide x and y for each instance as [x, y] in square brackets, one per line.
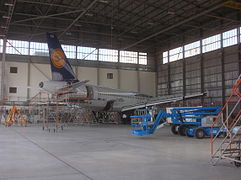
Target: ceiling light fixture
[104, 1]
[89, 14]
[8, 4]
[150, 23]
[78, 25]
[171, 12]
[6, 17]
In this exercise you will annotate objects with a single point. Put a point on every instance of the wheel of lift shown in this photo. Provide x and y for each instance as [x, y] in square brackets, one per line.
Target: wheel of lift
[188, 135]
[222, 134]
[182, 130]
[237, 164]
[200, 133]
[174, 129]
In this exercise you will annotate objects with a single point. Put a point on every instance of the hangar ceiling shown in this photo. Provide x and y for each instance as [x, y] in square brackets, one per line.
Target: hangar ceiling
[123, 24]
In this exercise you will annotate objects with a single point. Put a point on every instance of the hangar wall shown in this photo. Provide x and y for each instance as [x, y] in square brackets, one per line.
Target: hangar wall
[31, 72]
[214, 72]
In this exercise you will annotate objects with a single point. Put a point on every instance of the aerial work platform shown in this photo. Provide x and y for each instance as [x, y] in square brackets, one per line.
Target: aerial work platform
[190, 121]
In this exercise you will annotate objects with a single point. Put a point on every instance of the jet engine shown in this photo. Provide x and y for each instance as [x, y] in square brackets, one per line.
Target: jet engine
[52, 86]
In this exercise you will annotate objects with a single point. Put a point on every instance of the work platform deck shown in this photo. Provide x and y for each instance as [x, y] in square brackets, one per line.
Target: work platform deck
[105, 153]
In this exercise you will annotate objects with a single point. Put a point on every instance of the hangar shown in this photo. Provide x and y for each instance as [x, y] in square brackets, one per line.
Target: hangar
[119, 56]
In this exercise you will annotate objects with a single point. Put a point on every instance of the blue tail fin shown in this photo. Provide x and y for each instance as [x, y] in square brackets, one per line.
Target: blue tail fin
[60, 66]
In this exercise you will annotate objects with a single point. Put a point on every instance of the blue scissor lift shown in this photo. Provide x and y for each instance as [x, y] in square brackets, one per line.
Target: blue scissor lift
[190, 121]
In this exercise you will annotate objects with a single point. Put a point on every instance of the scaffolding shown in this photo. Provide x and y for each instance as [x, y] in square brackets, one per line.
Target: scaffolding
[15, 117]
[54, 112]
[106, 117]
[229, 147]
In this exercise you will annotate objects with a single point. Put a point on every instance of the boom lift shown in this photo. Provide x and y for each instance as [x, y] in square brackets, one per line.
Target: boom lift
[190, 121]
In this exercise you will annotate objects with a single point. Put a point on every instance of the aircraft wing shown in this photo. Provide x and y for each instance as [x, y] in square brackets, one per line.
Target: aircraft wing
[158, 101]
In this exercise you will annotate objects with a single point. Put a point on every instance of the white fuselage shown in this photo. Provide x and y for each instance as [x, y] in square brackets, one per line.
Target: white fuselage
[102, 98]
[95, 97]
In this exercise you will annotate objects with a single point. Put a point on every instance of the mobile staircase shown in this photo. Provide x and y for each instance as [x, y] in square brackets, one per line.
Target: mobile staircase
[229, 148]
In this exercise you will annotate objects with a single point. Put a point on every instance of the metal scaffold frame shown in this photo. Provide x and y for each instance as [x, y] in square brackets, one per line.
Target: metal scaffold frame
[55, 112]
[229, 147]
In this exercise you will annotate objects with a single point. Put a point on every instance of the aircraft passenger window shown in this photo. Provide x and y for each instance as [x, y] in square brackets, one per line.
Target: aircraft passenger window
[13, 70]
[12, 90]
[109, 75]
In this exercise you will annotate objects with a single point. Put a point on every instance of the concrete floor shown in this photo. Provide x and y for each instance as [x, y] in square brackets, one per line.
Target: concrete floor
[106, 153]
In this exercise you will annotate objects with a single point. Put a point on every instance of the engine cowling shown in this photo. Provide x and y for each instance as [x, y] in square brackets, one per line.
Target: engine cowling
[52, 86]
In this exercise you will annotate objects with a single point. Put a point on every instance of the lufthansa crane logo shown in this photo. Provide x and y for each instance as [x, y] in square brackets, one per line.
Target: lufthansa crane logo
[58, 58]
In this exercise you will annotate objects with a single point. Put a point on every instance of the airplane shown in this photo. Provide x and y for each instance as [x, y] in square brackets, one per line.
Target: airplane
[65, 83]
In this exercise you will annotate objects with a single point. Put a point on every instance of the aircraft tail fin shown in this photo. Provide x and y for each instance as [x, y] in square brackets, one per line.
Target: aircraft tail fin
[60, 66]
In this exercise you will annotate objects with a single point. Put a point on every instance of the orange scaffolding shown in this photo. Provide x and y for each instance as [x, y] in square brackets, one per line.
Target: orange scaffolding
[15, 117]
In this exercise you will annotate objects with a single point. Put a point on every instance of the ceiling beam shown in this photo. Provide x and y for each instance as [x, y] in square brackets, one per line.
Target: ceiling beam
[174, 26]
[222, 18]
[47, 4]
[81, 15]
[48, 16]
[9, 16]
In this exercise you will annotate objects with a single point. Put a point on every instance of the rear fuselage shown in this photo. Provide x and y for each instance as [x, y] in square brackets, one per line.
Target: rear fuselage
[102, 98]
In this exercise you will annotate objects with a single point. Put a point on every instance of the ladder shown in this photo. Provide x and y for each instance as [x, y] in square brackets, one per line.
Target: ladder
[229, 146]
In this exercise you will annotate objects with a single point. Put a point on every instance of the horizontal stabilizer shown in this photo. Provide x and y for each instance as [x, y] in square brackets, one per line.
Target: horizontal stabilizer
[73, 86]
[29, 87]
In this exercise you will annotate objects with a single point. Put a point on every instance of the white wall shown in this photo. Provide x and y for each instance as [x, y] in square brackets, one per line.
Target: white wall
[41, 72]
[38, 73]
[148, 83]
[129, 80]
[18, 80]
[103, 81]
[87, 73]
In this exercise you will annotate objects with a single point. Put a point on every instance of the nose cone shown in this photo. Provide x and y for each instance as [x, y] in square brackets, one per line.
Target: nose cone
[41, 84]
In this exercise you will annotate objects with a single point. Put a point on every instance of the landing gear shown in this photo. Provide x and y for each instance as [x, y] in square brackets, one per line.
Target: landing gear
[199, 133]
[174, 129]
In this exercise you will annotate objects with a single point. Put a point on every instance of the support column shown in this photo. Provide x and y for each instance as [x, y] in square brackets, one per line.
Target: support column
[183, 71]
[3, 84]
[98, 68]
[168, 75]
[76, 66]
[239, 55]
[201, 70]
[28, 78]
[118, 72]
[239, 50]
[138, 75]
[157, 64]
[239, 44]
[222, 71]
